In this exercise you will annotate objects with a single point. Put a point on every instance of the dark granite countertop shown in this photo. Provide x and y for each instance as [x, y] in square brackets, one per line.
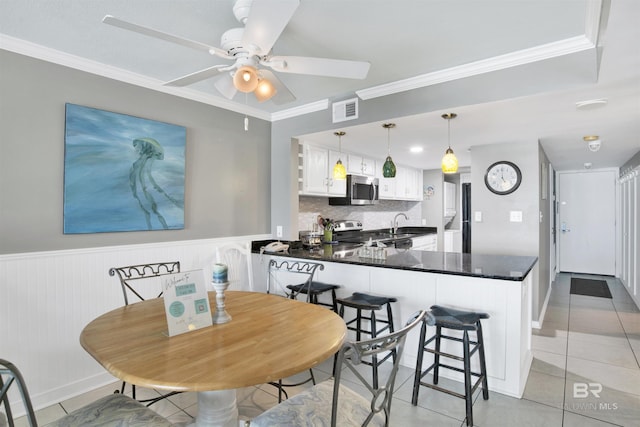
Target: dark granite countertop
[502, 267]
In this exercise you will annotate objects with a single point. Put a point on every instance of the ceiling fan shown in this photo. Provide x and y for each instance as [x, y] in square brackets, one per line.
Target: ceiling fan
[249, 48]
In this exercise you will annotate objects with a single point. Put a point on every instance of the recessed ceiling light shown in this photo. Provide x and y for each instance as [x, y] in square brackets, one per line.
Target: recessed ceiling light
[416, 149]
[591, 104]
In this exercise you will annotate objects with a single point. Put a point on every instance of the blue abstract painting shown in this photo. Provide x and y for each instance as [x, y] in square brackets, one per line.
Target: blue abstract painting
[122, 173]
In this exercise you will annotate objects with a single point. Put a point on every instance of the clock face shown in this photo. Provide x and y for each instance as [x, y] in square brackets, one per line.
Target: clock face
[503, 177]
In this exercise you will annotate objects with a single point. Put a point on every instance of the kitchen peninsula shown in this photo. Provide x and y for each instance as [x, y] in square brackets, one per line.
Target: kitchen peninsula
[497, 284]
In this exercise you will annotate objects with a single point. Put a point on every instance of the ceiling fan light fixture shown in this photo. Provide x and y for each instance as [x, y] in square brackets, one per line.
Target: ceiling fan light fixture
[246, 79]
[265, 90]
[449, 161]
[389, 168]
[339, 171]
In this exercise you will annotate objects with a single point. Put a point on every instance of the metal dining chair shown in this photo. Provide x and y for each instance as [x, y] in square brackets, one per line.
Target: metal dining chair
[333, 403]
[114, 409]
[291, 270]
[138, 284]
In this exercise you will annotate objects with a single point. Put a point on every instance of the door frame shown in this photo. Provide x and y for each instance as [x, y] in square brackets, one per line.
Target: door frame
[617, 213]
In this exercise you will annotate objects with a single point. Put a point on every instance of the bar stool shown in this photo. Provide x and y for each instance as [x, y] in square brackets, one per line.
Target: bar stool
[314, 289]
[371, 303]
[464, 321]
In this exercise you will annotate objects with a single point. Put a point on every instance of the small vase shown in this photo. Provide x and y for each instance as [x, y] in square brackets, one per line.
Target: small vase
[328, 236]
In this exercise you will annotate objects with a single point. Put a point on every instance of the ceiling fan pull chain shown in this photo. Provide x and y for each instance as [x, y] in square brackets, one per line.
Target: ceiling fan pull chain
[246, 119]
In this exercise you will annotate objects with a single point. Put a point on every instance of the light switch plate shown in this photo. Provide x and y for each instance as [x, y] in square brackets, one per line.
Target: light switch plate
[478, 216]
[515, 216]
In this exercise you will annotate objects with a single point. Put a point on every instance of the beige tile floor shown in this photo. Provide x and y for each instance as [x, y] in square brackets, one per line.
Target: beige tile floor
[588, 346]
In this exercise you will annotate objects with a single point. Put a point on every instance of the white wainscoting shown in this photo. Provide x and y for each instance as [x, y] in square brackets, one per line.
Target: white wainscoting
[46, 299]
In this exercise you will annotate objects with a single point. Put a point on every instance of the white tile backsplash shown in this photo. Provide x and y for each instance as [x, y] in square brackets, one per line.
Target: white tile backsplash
[372, 217]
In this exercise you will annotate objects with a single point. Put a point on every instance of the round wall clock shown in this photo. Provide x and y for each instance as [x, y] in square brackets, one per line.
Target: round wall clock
[503, 177]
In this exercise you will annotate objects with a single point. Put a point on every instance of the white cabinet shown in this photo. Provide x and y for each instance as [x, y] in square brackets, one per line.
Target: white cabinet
[407, 184]
[453, 241]
[359, 165]
[317, 171]
[425, 243]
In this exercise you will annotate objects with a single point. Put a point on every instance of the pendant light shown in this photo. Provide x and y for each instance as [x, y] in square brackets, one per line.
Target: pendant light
[389, 168]
[339, 172]
[449, 161]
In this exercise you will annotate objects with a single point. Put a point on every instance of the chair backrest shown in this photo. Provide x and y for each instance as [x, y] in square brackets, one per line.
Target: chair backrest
[237, 257]
[132, 279]
[352, 353]
[295, 272]
[9, 374]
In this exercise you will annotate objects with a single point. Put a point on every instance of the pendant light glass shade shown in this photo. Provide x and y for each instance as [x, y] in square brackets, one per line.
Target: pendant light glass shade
[339, 171]
[246, 79]
[449, 161]
[389, 168]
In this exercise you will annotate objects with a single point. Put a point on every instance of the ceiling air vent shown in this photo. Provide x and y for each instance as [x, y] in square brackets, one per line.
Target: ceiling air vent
[345, 110]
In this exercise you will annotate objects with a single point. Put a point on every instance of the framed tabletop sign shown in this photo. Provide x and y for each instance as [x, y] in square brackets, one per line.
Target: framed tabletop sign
[186, 302]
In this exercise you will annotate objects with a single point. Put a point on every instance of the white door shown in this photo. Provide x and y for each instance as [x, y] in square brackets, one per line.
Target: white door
[587, 222]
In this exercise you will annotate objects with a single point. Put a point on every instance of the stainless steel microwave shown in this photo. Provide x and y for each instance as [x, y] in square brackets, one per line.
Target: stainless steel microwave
[361, 190]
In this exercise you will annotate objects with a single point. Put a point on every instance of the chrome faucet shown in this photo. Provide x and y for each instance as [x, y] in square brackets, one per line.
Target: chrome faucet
[395, 221]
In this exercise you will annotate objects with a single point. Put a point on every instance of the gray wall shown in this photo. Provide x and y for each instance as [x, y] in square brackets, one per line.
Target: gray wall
[496, 234]
[227, 169]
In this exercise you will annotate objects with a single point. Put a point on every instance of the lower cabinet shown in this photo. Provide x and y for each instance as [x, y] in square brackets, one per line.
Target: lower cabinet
[453, 241]
[507, 333]
[425, 243]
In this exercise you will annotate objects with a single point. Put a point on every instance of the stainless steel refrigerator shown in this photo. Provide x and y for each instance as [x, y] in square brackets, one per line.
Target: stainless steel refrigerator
[466, 218]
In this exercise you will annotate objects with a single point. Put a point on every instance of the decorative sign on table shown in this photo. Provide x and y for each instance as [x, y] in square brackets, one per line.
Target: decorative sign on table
[186, 301]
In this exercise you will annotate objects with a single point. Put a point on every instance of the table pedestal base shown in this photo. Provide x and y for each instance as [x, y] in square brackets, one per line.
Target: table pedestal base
[217, 409]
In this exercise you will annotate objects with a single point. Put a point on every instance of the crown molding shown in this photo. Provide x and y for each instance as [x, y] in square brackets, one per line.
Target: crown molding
[593, 15]
[301, 110]
[501, 62]
[37, 51]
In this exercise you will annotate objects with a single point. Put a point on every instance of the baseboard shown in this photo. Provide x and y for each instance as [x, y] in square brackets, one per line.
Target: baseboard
[537, 324]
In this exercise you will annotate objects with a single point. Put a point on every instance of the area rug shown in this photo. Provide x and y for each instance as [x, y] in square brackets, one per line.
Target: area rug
[590, 287]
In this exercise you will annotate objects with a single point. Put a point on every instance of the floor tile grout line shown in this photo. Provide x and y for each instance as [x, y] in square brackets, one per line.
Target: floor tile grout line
[566, 356]
[635, 356]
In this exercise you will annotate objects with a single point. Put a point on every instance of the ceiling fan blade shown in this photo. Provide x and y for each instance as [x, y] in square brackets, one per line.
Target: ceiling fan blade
[283, 94]
[266, 21]
[150, 32]
[225, 86]
[197, 76]
[319, 66]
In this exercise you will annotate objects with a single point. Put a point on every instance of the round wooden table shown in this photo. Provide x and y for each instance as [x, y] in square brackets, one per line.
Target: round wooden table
[268, 338]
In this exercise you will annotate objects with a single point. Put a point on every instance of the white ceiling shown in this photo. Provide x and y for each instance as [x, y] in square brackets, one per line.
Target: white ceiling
[512, 70]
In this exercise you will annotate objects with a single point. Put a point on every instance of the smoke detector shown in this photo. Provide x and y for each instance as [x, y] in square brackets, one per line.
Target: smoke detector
[593, 142]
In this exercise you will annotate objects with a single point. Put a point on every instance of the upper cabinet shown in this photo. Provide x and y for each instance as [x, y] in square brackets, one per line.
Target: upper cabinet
[407, 184]
[317, 172]
[359, 165]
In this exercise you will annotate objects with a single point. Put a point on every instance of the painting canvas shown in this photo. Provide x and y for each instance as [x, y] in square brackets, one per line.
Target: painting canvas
[122, 173]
